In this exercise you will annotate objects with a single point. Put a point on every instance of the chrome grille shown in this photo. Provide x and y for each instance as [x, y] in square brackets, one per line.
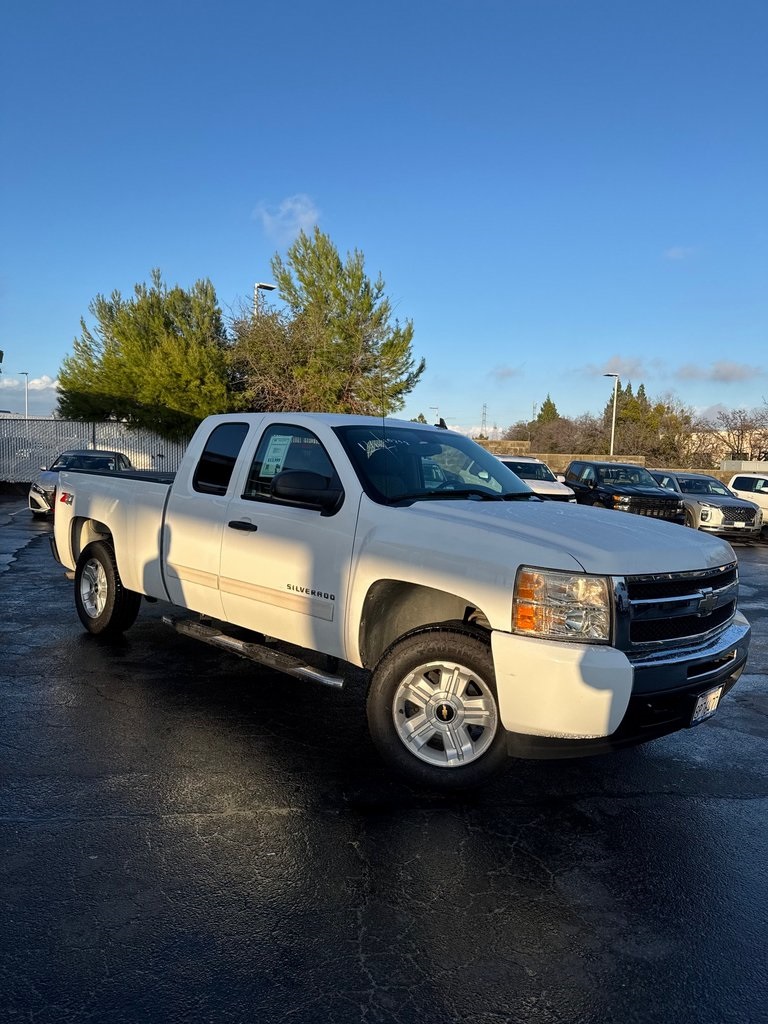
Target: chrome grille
[738, 514]
[658, 508]
[674, 608]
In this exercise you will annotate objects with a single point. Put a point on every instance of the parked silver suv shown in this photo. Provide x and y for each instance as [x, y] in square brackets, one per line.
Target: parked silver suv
[710, 506]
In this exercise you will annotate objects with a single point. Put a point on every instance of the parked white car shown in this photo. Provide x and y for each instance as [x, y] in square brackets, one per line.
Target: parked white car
[42, 491]
[538, 476]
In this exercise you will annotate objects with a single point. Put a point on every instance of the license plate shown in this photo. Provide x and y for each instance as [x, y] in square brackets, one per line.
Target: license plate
[706, 705]
[740, 524]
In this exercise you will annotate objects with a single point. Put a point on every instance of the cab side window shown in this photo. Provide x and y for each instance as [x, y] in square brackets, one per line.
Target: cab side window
[744, 483]
[214, 469]
[287, 448]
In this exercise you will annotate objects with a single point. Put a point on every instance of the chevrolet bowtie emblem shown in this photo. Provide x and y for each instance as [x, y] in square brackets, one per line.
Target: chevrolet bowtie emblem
[707, 602]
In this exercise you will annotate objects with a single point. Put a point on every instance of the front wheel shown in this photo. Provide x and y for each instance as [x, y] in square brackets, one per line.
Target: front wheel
[104, 605]
[433, 711]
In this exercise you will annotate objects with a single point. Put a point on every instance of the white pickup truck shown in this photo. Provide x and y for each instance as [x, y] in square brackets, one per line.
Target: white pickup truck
[489, 622]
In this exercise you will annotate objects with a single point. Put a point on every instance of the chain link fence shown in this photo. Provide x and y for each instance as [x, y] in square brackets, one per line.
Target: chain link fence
[28, 444]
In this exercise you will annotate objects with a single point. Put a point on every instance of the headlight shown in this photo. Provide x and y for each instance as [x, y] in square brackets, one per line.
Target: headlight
[38, 489]
[561, 606]
[620, 499]
[706, 512]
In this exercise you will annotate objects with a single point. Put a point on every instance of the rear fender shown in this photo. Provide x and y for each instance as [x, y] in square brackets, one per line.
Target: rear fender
[85, 532]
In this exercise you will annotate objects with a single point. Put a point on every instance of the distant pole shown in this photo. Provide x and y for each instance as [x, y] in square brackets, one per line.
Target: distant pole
[613, 419]
[260, 286]
[25, 375]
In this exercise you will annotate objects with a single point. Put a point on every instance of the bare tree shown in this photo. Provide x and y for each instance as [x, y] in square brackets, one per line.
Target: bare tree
[742, 433]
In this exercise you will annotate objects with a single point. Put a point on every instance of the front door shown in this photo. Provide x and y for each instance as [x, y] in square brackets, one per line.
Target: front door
[285, 568]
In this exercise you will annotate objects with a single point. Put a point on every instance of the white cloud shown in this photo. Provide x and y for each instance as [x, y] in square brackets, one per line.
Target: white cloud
[676, 253]
[292, 215]
[44, 383]
[627, 369]
[723, 372]
[505, 372]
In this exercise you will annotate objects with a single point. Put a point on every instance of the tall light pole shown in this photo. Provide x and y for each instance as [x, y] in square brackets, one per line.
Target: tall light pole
[25, 375]
[613, 420]
[260, 286]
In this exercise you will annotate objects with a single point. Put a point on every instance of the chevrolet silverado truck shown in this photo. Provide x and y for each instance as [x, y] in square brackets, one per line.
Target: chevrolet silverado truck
[488, 622]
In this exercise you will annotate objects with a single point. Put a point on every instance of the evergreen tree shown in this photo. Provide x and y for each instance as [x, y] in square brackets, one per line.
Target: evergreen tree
[335, 349]
[156, 360]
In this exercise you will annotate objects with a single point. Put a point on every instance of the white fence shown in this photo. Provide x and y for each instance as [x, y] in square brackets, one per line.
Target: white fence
[28, 444]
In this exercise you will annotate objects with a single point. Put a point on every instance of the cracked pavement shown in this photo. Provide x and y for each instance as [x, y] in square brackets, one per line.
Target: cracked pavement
[185, 836]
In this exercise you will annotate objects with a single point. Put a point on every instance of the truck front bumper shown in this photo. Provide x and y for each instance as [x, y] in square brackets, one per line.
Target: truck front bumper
[567, 700]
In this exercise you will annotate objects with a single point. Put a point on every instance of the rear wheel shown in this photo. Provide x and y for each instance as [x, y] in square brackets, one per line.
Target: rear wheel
[433, 711]
[104, 605]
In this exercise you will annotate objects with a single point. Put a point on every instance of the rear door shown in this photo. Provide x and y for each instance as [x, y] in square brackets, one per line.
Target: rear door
[194, 521]
[285, 567]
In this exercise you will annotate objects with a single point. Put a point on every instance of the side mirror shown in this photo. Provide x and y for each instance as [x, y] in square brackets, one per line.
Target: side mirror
[560, 477]
[301, 487]
[43, 469]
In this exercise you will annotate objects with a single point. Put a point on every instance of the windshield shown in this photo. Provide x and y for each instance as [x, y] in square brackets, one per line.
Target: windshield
[530, 470]
[635, 476]
[402, 463]
[75, 460]
[703, 485]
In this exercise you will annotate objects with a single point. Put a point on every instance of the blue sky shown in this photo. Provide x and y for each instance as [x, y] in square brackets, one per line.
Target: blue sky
[551, 189]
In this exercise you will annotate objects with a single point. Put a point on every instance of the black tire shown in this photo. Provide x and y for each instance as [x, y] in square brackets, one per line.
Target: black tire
[418, 684]
[105, 607]
[689, 520]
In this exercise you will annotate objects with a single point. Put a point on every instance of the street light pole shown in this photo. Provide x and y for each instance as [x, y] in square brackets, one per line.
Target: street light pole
[613, 420]
[260, 286]
[25, 375]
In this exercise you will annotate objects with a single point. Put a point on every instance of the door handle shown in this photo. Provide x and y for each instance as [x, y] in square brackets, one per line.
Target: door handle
[238, 524]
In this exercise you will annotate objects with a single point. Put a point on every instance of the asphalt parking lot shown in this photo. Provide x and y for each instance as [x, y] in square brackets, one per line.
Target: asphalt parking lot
[186, 837]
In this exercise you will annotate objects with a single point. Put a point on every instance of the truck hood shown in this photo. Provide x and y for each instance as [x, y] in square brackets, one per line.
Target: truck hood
[549, 488]
[717, 500]
[558, 535]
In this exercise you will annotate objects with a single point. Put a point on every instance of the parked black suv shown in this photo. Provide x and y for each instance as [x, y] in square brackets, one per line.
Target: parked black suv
[624, 487]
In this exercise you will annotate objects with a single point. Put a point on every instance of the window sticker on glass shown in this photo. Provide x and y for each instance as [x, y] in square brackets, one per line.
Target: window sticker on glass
[275, 457]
